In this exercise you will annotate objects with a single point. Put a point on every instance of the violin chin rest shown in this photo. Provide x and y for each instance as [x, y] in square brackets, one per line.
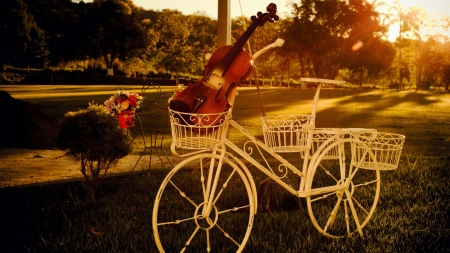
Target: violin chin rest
[179, 106]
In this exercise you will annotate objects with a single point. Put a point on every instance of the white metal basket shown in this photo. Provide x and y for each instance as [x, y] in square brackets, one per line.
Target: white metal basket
[319, 137]
[377, 151]
[287, 133]
[197, 131]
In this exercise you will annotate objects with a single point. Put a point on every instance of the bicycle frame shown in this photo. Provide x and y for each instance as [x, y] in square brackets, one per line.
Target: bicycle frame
[309, 160]
[307, 163]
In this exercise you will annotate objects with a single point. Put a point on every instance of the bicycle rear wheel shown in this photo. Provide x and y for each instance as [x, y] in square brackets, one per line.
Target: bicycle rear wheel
[348, 208]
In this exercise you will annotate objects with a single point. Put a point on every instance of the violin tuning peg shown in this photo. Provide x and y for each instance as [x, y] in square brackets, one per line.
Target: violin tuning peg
[253, 18]
[272, 8]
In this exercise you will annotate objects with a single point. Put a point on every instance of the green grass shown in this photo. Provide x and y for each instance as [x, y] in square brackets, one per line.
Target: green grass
[412, 214]
[421, 115]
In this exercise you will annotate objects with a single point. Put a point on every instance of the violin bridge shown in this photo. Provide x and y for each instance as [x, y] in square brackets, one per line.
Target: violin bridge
[214, 82]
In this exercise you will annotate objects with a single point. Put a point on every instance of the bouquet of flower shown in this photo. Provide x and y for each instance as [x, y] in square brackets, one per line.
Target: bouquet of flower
[123, 104]
[122, 101]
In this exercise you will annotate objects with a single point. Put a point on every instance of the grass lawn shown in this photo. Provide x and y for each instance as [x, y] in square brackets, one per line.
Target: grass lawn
[412, 214]
[422, 116]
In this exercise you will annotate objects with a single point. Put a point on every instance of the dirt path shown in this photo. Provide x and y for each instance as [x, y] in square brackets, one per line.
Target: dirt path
[20, 167]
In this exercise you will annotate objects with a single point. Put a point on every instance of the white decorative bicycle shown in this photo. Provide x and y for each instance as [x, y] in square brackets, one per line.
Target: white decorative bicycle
[208, 201]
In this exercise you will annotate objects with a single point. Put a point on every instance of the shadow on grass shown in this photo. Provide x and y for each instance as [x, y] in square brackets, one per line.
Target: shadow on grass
[421, 116]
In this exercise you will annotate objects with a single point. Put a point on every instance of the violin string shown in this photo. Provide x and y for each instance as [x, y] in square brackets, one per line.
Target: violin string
[236, 49]
[245, 28]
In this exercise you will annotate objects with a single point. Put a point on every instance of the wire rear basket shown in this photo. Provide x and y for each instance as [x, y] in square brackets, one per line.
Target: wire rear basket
[287, 133]
[319, 137]
[377, 151]
[197, 131]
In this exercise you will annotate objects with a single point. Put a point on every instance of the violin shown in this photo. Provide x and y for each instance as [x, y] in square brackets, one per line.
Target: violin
[227, 68]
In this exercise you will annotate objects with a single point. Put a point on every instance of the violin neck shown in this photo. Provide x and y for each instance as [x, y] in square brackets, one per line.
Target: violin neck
[225, 63]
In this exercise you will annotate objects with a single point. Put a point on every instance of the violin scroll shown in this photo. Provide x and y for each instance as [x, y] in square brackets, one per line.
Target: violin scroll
[270, 16]
[272, 8]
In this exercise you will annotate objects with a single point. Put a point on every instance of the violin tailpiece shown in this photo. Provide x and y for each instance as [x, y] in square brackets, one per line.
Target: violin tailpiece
[199, 100]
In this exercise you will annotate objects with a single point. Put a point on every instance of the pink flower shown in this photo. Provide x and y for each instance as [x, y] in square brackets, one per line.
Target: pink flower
[109, 104]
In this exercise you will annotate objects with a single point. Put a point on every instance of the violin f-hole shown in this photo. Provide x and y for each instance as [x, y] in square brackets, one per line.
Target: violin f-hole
[217, 98]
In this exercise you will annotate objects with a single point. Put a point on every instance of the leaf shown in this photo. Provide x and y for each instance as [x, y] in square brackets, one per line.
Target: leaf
[95, 232]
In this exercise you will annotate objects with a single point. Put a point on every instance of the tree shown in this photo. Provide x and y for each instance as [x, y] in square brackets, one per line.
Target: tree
[176, 54]
[113, 31]
[23, 42]
[202, 39]
[92, 137]
[58, 19]
[410, 22]
[325, 30]
[415, 20]
[434, 62]
[446, 76]
[366, 53]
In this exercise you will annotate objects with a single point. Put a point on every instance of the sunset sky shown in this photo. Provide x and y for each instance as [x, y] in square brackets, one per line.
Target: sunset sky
[435, 8]
[251, 7]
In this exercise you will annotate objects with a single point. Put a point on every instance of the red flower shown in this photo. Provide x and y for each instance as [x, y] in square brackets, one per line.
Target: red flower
[132, 101]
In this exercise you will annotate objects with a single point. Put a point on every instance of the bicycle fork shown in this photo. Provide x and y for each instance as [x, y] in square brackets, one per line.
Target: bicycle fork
[210, 186]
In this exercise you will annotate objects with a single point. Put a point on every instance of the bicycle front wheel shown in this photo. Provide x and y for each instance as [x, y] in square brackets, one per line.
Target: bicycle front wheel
[205, 204]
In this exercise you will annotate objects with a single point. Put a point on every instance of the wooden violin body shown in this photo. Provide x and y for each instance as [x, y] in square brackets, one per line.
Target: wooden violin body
[202, 97]
[227, 68]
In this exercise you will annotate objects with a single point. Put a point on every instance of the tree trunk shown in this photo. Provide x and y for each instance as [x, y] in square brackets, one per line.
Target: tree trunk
[361, 77]
[109, 65]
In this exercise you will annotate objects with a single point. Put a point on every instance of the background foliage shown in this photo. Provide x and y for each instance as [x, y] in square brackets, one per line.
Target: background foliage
[119, 37]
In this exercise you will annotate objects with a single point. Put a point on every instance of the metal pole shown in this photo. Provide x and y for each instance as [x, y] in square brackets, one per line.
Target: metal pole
[223, 23]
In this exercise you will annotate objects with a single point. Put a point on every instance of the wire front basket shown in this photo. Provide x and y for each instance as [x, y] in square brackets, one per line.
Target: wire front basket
[197, 131]
[287, 133]
[377, 151]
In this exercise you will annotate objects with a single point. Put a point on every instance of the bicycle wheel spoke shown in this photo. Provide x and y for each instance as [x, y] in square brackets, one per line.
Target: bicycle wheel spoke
[335, 211]
[366, 183]
[202, 180]
[354, 214]
[234, 209]
[360, 206]
[328, 172]
[183, 194]
[176, 222]
[347, 219]
[227, 235]
[224, 185]
[208, 242]
[188, 242]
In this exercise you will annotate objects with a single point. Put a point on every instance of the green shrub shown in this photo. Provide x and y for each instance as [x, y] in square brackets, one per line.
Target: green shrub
[92, 136]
